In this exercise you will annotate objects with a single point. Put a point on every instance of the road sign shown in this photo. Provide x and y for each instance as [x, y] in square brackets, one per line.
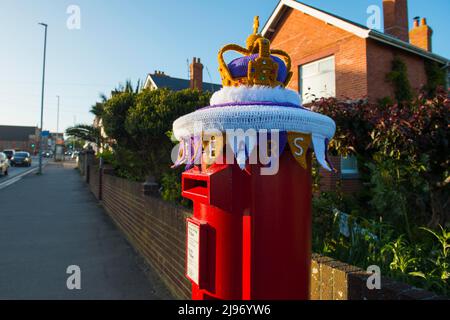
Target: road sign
[45, 133]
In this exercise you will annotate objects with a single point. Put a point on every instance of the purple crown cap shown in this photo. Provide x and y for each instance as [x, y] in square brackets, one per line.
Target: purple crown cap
[239, 67]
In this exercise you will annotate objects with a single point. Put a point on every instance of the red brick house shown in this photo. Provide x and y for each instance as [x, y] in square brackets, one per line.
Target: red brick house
[335, 57]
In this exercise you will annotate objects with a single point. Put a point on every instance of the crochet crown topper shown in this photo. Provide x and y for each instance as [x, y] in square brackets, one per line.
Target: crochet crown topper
[260, 65]
[253, 107]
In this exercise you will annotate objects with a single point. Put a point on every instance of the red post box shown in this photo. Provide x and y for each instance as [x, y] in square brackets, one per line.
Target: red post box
[256, 231]
[250, 233]
[218, 210]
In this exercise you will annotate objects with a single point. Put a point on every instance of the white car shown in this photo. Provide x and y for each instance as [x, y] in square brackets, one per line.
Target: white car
[4, 164]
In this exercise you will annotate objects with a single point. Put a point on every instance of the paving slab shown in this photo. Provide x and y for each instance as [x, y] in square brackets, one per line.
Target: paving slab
[51, 222]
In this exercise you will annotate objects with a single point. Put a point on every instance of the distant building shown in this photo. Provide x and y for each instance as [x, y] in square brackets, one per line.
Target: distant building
[160, 80]
[107, 142]
[53, 139]
[19, 138]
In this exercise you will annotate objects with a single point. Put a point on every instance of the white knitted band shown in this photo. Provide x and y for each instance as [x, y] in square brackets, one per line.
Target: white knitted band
[254, 93]
[258, 108]
[255, 117]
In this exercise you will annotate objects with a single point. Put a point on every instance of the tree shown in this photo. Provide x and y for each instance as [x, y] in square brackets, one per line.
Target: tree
[150, 119]
[413, 137]
[353, 124]
[75, 143]
[114, 116]
[420, 135]
[98, 108]
[86, 132]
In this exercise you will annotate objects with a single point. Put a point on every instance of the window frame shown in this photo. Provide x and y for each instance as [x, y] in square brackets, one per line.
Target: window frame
[351, 174]
[300, 80]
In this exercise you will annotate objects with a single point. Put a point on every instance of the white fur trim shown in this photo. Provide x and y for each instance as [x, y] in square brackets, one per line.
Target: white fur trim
[255, 117]
[254, 94]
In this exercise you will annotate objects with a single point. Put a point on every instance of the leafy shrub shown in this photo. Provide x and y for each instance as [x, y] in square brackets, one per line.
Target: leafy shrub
[171, 188]
[398, 77]
[412, 138]
[107, 156]
[137, 124]
[423, 261]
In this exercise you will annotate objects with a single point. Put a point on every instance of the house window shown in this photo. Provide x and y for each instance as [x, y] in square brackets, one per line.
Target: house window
[349, 167]
[448, 79]
[318, 79]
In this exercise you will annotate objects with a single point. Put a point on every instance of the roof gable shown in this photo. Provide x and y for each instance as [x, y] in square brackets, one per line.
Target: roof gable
[347, 25]
[177, 84]
[329, 18]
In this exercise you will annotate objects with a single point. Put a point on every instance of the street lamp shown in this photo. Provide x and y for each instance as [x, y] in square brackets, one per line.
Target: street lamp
[57, 117]
[42, 98]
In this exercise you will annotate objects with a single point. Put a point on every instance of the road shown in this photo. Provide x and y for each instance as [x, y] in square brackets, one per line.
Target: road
[51, 222]
[17, 173]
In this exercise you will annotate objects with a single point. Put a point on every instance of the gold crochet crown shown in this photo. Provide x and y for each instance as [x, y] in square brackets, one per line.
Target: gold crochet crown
[262, 70]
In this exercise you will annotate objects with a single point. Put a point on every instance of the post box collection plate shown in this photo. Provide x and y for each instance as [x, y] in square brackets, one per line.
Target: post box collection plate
[193, 252]
[195, 248]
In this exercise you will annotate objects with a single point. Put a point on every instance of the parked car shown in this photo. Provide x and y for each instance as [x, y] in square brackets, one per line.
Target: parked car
[21, 159]
[9, 153]
[4, 164]
[75, 155]
[47, 154]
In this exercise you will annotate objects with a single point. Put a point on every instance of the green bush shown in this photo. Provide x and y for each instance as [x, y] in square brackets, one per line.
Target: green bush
[107, 156]
[398, 77]
[138, 123]
[171, 188]
[422, 261]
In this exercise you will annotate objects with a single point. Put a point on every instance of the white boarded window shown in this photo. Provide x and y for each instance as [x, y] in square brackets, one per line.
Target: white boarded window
[318, 80]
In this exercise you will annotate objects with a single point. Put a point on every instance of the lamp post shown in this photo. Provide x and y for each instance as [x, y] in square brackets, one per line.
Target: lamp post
[42, 98]
[57, 117]
[57, 127]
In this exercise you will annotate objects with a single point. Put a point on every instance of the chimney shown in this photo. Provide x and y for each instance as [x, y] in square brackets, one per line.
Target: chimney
[421, 34]
[396, 18]
[196, 72]
[160, 73]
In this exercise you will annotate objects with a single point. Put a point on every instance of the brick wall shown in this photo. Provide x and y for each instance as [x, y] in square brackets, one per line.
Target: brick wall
[330, 181]
[94, 181]
[156, 229]
[334, 280]
[379, 64]
[16, 145]
[81, 164]
[307, 39]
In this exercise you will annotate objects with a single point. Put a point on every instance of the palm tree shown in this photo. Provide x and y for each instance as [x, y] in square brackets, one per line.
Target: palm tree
[86, 132]
[127, 88]
[99, 107]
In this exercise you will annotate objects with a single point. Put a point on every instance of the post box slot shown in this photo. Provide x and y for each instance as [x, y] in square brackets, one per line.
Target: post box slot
[196, 187]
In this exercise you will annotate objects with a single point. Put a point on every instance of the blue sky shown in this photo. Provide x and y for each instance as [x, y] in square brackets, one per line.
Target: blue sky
[121, 40]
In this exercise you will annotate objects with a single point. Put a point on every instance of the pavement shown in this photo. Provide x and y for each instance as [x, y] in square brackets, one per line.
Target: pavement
[51, 222]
